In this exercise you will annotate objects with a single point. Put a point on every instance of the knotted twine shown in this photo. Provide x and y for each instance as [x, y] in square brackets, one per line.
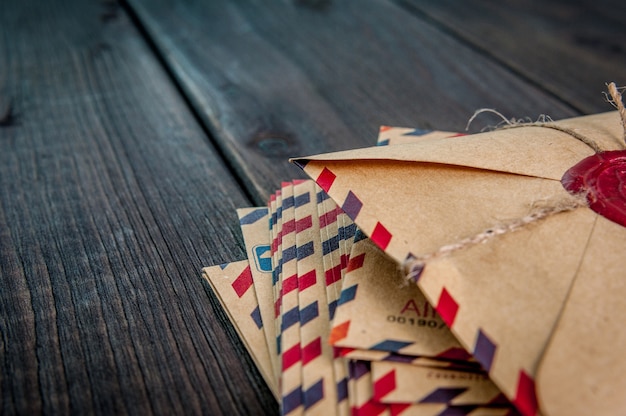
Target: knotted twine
[414, 265]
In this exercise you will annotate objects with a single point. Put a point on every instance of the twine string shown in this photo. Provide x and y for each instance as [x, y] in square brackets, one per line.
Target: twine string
[414, 265]
[616, 101]
[543, 121]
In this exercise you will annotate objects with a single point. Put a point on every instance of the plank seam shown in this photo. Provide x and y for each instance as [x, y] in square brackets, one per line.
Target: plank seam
[457, 36]
[154, 48]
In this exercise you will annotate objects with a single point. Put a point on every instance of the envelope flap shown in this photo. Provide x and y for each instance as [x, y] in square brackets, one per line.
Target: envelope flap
[582, 371]
[530, 150]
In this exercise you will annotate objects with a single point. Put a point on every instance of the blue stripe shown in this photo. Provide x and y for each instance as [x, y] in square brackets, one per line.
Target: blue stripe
[279, 213]
[290, 318]
[306, 250]
[443, 395]
[359, 368]
[390, 345]
[383, 142]
[418, 132]
[347, 232]
[347, 294]
[277, 271]
[253, 217]
[322, 196]
[342, 389]
[359, 235]
[484, 350]
[288, 202]
[332, 307]
[352, 205]
[309, 313]
[273, 219]
[256, 317]
[289, 253]
[331, 244]
[399, 358]
[292, 400]
[314, 394]
[301, 163]
[302, 199]
[278, 349]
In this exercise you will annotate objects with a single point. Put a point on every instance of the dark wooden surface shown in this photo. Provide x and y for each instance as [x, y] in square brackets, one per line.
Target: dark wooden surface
[129, 133]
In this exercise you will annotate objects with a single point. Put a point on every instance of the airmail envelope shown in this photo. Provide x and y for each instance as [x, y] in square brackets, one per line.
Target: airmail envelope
[531, 281]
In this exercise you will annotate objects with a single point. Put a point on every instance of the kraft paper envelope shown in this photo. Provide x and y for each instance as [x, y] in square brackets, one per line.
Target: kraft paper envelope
[535, 294]
[388, 135]
[364, 403]
[254, 225]
[394, 382]
[232, 283]
[318, 371]
[374, 355]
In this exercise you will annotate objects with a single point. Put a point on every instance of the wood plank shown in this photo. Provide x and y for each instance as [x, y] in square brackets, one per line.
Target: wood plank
[278, 79]
[111, 200]
[570, 48]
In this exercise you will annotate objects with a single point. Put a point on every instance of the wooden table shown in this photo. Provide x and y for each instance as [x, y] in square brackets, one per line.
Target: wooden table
[129, 133]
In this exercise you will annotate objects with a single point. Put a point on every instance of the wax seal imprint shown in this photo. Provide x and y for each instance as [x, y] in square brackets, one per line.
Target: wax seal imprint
[602, 178]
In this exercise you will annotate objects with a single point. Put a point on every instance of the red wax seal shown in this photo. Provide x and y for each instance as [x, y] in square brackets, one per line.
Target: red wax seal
[602, 178]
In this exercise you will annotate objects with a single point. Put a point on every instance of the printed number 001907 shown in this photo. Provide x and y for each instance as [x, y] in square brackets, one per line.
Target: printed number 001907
[430, 323]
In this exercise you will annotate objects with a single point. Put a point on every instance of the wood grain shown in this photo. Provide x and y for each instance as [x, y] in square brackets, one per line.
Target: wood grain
[111, 200]
[568, 48]
[129, 135]
[272, 80]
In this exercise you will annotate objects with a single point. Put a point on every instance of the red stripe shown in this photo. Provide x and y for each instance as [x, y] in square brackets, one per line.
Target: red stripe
[447, 307]
[396, 408]
[290, 284]
[455, 353]
[288, 227]
[370, 408]
[384, 385]
[525, 397]
[243, 282]
[325, 179]
[342, 351]
[307, 280]
[333, 275]
[381, 236]
[312, 350]
[344, 260]
[277, 307]
[291, 356]
[329, 217]
[304, 223]
[355, 262]
[299, 181]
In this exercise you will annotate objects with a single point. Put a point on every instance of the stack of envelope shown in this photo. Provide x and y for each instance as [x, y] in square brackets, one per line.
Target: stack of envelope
[331, 322]
[530, 280]
[485, 267]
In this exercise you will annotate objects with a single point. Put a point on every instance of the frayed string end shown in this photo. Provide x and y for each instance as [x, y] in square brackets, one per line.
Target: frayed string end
[614, 97]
